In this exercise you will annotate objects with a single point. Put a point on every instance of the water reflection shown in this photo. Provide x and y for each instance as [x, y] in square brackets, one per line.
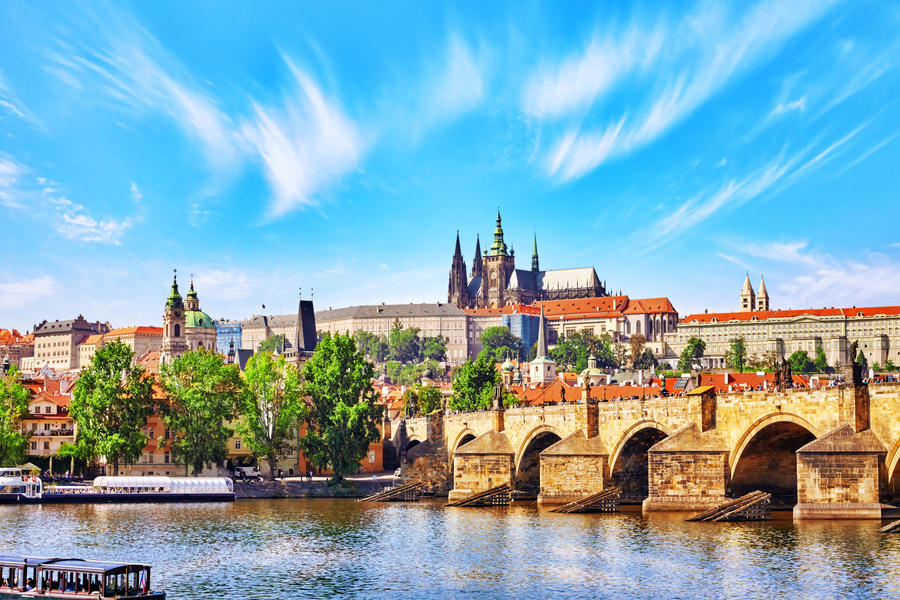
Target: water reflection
[341, 549]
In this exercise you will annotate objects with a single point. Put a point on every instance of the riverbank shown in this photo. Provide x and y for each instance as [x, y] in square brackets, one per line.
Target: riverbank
[354, 486]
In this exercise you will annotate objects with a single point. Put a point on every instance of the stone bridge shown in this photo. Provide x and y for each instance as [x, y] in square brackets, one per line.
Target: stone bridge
[829, 452]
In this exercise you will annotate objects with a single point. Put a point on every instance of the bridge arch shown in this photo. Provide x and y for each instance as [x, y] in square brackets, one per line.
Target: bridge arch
[766, 457]
[463, 437]
[893, 471]
[528, 457]
[629, 466]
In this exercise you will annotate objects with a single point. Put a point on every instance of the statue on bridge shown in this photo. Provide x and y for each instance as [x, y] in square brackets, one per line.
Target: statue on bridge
[498, 397]
[853, 373]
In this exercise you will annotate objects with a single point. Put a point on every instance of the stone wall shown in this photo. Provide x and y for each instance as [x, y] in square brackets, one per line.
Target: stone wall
[686, 480]
[474, 473]
[568, 478]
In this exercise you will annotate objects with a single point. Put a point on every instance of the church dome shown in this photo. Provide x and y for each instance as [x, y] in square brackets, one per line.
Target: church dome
[507, 366]
[198, 318]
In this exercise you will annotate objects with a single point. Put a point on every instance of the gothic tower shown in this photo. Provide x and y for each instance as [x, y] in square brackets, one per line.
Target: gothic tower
[174, 342]
[457, 292]
[535, 265]
[748, 298]
[498, 265]
[762, 299]
[477, 270]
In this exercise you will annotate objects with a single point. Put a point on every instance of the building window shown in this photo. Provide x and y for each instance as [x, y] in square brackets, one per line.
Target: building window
[46, 445]
[46, 426]
[237, 444]
[166, 458]
[47, 410]
[177, 330]
[34, 445]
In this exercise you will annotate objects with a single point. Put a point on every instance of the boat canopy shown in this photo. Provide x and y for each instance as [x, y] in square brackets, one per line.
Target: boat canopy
[165, 485]
[70, 564]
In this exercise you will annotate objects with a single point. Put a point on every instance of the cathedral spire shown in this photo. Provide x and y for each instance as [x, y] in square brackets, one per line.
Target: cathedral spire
[458, 251]
[477, 264]
[541, 351]
[535, 265]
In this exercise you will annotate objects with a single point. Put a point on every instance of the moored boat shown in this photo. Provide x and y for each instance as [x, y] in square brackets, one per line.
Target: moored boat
[18, 489]
[57, 578]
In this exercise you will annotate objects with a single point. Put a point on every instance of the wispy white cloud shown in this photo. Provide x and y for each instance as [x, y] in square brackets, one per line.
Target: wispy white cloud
[10, 174]
[11, 105]
[878, 146]
[789, 252]
[19, 293]
[305, 144]
[856, 282]
[783, 108]
[709, 52]
[459, 86]
[224, 284]
[74, 223]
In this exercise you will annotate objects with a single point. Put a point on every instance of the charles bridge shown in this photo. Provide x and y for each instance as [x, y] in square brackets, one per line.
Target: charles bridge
[830, 452]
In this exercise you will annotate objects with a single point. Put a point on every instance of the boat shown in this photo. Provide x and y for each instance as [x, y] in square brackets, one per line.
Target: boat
[57, 578]
[16, 488]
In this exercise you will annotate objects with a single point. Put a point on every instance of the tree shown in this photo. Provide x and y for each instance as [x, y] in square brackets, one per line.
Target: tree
[532, 353]
[403, 344]
[202, 394]
[646, 360]
[271, 403]
[800, 362]
[13, 408]
[636, 343]
[111, 403]
[861, 361]
[341, 414]
[574, 350]
[821, 362]
[435, 348]
[889, 365]
[273, 343]
[374, 346]
[473, 386]
[876, 367]
[422, 400]
[620, 354]
[737, 354]
[499, 341]
[691, 354]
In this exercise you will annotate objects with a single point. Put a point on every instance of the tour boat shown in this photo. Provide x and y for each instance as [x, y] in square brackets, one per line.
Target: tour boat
[57, 578]
[18, 489]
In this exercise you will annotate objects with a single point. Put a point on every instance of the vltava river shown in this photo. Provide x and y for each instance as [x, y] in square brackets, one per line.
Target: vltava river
[272, 549]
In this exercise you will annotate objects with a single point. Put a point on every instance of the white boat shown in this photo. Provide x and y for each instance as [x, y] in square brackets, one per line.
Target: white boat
[16, 487]
[21, 489]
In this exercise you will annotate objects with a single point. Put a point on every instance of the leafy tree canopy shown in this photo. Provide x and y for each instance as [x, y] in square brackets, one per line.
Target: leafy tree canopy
[800, 362]
[473, 386]
[422, 400]
[821, 362]
[636, 344]
[273, 343]
[691, 354]
[862, 361]
[737, 354]
[404, 345]
[435, 348]
[573, 351]
[13, 408]
[499, 342]
[375, 347]
[271, 403]
[202, 395]
[341, 413]
[111, 403]
[646, 360]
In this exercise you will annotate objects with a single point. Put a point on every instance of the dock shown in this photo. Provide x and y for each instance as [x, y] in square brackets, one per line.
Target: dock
[407, 492]
[496, 496]
[603, 501]
[750, 507]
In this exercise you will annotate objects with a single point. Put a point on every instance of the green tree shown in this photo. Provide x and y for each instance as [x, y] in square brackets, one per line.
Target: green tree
[473, 386]
[273, 343]
[691, 354]
[821, 362]
[889, 365]
[646, 360]
[422, 400]
[341, 413]
[737, 354]
[404, 345]
[801, 362]
[636, 344]
[375, 347]
[13, 408]
[499, 341]
[876, 367]
[271, 403]
[202, 394]
[861, 360]
[435, 348]
[574, 350]
[111, 403]
[532, 353]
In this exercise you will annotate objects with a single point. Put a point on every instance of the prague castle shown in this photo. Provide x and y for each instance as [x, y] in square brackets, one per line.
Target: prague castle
[496, 282]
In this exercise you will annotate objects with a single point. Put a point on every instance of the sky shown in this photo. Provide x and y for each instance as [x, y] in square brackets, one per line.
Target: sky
[336, 148]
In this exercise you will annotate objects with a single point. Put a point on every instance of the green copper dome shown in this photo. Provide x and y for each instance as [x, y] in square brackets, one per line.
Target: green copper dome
[174, 299]
[198, 318]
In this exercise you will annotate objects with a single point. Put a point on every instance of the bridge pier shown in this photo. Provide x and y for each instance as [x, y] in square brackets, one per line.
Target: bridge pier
[483, 463]
[838, 476]
[688, 471]
[572, 468]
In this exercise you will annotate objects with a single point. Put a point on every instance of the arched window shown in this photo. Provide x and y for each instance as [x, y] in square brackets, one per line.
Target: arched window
[637, 327]
[199, 344]
[177, 330]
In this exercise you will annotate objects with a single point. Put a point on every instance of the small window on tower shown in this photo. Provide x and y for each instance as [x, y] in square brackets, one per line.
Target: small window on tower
[177, 330]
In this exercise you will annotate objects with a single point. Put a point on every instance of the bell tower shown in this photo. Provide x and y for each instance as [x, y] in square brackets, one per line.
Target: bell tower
[498, 265]
[174, 342]
[748, 298]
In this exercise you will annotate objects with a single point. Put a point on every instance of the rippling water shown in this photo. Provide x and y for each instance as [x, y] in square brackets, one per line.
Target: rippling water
[340, 549]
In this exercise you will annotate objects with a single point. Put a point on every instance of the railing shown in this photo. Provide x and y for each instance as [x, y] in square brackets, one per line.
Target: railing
[54, 432]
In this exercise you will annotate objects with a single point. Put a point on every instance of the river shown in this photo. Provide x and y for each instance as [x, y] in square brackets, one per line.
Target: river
[270, 549]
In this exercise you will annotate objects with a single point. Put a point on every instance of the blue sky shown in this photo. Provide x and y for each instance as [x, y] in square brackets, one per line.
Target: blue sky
[339, 146]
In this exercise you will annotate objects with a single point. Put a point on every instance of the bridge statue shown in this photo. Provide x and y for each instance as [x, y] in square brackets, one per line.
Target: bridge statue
[498, 396]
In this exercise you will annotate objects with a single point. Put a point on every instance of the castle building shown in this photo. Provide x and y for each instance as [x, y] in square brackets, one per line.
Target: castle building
[185, 326]
[495, 281]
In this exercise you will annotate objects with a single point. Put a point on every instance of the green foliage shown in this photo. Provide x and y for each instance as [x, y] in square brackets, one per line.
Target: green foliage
[473, 385]
[664, 366]
[375, 347]
[889, 365]
[273, 343]
[862, 361]
[341, 414]
[572, 352]
[876, 367]
[821, 362]
[636, 344]
[271, 403]
[691, 354]
[420, 400]
[410, 374]
[801, 362]
[13, 408]
[202, 395]
[499, 343]
[435, 348]
[403, 344]
[737, 354]
[110, 405]
[646, 360]
[532, 353]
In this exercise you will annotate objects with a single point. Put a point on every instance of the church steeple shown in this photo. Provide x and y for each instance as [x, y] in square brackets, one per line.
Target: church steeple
[192, 302]
[748, 297]
[535, 265]
[499, 246]
[762, 298]
[477, 268]
[457, 290]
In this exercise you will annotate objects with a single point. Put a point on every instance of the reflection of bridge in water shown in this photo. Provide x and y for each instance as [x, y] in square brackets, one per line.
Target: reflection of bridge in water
[834, 452]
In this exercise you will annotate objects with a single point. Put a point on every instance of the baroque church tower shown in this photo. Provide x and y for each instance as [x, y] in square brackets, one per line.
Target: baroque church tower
[174, 342]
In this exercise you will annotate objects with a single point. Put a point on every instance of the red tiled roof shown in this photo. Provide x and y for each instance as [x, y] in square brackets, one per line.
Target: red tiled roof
[583, 306]
[138, 330]
[650, 305]
[762, 315]
[509, 309]
[92, 340]
[741, 381]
